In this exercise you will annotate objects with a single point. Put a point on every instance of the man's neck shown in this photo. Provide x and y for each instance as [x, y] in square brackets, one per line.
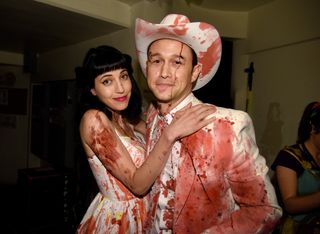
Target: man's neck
[166, 107]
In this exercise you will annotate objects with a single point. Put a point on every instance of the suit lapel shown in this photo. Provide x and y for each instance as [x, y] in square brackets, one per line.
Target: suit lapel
[192, 163]
[184, 182]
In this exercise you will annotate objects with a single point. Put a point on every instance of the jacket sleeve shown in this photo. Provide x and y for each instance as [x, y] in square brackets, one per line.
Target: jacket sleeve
[254, 204]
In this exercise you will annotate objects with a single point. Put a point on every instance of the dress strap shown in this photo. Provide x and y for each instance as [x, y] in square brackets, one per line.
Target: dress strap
[297, 153]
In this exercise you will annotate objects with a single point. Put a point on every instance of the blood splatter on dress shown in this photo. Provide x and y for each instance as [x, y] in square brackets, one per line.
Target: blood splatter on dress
[115, 209]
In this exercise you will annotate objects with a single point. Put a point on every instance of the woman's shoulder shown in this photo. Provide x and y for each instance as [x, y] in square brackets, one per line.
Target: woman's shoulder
[94, 114]
[290, 157]
[94, 118]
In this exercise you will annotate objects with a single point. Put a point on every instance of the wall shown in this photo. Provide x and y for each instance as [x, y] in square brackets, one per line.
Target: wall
[60, 64]
[229, 24]
[14, 121]
[284, 45]
[11, 58]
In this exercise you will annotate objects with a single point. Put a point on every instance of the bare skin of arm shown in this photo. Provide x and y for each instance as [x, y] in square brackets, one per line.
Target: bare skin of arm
[99, 138]
[287, 180]
[141, 127]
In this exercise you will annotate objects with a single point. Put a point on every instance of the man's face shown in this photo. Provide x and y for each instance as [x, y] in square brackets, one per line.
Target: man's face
[169, 71]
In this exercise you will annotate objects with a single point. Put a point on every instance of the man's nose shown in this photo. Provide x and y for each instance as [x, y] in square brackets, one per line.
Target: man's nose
[165, 71]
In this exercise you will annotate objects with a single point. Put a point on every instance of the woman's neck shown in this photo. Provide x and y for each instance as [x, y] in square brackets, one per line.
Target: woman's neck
[121, 125]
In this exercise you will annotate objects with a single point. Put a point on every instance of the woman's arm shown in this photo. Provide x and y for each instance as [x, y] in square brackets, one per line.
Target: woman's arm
[100, 139]
[287, 181]
[141, 127]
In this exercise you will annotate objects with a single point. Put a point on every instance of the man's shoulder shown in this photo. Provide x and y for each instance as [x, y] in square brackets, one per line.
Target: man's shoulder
[229, 113]
[236, 119]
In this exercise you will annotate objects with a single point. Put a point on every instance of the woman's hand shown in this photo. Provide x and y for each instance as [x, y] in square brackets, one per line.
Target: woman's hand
[188, 120]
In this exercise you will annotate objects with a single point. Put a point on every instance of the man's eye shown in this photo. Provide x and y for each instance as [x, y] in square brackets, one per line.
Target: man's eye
[154, 60]
[178, 62]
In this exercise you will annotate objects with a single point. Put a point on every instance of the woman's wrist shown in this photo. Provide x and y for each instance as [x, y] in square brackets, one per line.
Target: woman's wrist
[169, 136]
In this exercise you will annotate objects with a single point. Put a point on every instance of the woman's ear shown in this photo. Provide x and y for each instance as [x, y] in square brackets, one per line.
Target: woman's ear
[196, 72]
[93, 92]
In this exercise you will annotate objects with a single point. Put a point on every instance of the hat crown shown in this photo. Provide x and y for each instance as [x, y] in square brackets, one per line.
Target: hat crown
[175, 19]
[202, 37]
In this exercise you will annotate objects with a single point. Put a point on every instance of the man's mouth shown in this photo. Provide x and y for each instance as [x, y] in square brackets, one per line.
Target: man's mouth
[164, 86]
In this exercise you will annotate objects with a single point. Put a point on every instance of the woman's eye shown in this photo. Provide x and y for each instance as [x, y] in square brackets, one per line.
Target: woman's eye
[125, 77]
[106, 82]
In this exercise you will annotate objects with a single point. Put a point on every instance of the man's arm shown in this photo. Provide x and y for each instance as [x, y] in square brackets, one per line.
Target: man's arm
[256, 207]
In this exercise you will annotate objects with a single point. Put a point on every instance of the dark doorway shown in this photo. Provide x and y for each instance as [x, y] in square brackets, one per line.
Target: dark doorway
[218, 90]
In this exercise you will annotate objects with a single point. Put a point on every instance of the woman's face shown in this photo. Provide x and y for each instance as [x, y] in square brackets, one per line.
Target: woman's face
[113, 88]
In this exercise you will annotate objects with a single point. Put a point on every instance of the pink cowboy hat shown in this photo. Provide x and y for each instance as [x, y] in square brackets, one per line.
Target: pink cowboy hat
[203, 38]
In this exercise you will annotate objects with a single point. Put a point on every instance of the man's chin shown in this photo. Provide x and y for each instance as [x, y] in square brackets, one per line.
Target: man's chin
[163, 98]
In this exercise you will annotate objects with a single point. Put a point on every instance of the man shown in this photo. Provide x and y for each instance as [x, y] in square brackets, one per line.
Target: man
[215, 181]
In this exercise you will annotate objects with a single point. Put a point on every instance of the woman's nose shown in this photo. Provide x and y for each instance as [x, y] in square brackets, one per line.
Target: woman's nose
[119, 87]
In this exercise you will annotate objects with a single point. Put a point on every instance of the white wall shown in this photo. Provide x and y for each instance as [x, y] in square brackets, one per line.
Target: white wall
[59, 64]
[284, 45]
[229, 24]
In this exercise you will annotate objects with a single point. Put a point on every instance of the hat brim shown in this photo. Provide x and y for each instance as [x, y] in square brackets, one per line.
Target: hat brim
[203, 38]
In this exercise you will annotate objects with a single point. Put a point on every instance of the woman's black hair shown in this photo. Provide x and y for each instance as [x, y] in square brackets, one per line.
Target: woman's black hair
[310, 120]
[98, 61]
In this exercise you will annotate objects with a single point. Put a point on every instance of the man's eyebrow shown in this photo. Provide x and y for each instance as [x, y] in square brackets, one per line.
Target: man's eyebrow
[181, 57]
[150, 54]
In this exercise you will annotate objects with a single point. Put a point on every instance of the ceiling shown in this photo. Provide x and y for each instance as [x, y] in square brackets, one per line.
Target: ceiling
[26, 25]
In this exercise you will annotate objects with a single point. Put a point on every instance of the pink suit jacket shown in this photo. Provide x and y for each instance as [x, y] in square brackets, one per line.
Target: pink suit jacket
[222, 184]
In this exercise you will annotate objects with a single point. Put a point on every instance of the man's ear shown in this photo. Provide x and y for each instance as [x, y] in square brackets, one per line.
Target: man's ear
[93, 92]
[196, 72]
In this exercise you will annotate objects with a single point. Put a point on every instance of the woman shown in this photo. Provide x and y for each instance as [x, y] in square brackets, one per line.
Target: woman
[108, 131]
[297, 170]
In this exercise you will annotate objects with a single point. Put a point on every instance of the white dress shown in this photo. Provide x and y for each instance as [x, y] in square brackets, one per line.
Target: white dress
[115, 209]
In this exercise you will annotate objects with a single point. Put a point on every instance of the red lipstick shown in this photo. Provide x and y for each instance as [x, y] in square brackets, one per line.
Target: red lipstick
[121, 99]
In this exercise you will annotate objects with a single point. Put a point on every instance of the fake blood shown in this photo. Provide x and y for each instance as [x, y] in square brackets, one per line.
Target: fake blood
[104, 144]
[216, 170]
